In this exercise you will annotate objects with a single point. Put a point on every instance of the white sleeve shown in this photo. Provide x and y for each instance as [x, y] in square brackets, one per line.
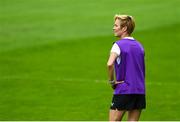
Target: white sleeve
[115, 48]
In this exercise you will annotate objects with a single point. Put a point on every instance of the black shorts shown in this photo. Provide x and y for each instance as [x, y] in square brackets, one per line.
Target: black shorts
[128, 102]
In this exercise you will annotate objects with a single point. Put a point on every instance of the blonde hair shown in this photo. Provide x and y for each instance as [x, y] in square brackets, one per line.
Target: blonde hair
[126, 20]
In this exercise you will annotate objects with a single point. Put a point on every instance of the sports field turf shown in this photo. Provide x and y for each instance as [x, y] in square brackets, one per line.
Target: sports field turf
[53, 56]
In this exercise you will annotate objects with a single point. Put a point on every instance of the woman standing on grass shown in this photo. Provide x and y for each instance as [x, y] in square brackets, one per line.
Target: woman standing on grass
[127, 59]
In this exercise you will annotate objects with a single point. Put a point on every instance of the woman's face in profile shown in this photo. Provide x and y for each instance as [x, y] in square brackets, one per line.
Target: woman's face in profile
[116, 28]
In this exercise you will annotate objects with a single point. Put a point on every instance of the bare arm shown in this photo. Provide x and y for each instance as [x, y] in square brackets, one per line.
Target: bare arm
[110, 65]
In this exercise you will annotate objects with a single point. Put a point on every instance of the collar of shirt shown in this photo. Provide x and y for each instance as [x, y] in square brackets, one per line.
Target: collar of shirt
[129, 38]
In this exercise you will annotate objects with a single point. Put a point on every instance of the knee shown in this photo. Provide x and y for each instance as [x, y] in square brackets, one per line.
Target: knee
[115, 118]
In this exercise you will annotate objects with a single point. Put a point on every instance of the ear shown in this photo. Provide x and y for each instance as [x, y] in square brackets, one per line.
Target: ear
[124, 28]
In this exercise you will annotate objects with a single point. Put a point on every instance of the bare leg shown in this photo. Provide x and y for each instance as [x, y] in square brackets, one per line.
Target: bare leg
[115, 115]
[134, 115]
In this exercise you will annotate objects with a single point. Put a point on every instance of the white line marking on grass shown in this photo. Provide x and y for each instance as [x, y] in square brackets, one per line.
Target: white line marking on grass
[55, 79]
[78, 79]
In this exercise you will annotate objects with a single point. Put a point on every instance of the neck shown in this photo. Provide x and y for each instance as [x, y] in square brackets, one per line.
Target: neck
[124, 35]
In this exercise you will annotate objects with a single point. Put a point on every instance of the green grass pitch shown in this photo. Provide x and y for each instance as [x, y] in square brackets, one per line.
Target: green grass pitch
[53, 56]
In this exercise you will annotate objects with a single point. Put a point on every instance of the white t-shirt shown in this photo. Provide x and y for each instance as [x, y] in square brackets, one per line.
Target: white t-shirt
[116, 49]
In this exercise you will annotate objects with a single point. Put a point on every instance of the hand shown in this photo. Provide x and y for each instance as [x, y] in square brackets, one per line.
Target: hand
[116, 83]
[114, 86]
